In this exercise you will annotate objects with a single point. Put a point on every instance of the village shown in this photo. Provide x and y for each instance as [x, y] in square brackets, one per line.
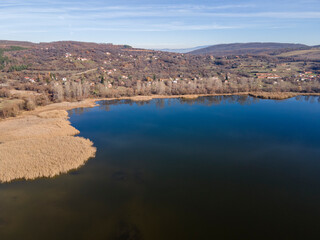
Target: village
[69, 71]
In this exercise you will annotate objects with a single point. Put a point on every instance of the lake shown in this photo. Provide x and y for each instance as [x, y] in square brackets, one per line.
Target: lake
[226, 167]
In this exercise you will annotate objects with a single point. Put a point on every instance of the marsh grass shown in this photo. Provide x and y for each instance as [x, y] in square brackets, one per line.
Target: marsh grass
[41, 144]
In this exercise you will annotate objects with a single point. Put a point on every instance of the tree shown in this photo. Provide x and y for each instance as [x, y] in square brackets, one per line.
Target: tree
[57, 93]
[102, 80]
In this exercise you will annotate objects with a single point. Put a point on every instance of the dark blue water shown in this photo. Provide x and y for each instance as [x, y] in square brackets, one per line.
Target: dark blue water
[211, 168]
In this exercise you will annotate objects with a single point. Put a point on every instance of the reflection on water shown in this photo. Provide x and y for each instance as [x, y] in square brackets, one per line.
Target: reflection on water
[223, 167]
[206, 101]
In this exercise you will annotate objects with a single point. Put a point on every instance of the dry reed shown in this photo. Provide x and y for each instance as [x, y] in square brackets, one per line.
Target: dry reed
[41, 143]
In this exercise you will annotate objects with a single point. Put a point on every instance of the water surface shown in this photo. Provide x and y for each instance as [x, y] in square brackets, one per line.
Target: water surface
[211, 168]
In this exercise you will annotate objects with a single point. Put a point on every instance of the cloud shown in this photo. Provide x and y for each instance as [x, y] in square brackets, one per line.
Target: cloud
[158, 27]
[78, 10]
[284, 15]
[80, 16]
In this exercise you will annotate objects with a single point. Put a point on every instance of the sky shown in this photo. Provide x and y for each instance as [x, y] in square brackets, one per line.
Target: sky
[161, 24]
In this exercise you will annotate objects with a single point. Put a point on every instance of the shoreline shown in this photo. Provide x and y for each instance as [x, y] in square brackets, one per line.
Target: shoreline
[43, 143]
[261, 95]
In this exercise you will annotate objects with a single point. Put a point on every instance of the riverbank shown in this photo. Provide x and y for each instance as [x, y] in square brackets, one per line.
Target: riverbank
[42, 142]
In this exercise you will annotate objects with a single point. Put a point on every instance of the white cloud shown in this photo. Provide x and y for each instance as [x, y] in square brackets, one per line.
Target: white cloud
[158, 27]
[33, 10]
[16, 15]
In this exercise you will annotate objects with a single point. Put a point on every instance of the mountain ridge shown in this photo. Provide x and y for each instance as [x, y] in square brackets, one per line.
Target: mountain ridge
[249, 48]
[182, 50]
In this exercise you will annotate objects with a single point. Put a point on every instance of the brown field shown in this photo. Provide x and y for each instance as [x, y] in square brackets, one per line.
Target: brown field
[41, 143]
[43, 157]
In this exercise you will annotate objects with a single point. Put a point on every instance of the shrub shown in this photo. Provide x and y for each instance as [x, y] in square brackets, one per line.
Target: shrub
[42, 100]
[18, 68]
[29, 104]
[5, 93]
[11, 108]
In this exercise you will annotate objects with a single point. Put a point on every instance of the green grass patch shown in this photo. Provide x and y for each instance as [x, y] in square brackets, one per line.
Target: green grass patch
[17, 68]
[5, 60]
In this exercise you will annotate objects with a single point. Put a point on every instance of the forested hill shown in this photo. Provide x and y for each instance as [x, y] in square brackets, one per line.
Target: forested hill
[7, 43]
[249, 48]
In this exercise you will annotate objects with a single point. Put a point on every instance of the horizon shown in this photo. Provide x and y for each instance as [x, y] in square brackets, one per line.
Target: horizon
[161, 24]
[184, 48]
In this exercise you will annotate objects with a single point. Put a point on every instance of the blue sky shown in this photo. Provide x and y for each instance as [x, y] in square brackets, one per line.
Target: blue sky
[161, 24]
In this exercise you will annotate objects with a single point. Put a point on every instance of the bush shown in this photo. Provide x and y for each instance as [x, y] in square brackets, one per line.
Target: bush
[29, 105]
[42, 100]
[11, 108]
[18, 68]
[9, 111]
[5, 93]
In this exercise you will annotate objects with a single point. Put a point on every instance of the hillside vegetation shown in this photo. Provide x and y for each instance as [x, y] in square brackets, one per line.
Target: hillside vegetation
[42, 73]
[249, 48]
[310, 54]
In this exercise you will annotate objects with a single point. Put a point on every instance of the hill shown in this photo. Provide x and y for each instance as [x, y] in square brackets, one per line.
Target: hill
[7, 43]
[249, 48]
[39, 73]
[310, 54]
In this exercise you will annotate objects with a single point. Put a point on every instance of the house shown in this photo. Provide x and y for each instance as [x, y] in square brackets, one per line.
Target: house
[30, 79]
[82, 59]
